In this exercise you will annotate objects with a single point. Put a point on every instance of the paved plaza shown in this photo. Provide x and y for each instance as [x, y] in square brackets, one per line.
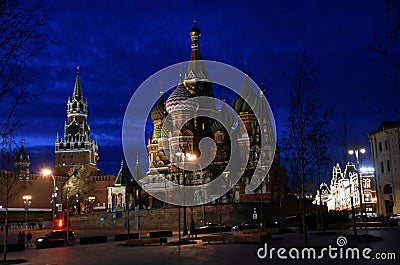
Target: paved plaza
[202, 253]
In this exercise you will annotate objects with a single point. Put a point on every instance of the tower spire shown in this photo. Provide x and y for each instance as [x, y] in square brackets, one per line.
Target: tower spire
[180, 73]
[77, 94]
[195, 34]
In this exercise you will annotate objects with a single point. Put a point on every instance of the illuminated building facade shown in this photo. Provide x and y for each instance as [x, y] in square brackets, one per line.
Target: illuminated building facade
[344, 187]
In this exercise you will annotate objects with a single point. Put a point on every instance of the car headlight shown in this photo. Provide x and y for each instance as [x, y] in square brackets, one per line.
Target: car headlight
[39, 240]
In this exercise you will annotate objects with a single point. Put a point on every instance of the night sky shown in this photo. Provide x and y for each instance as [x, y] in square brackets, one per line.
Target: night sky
[118, 44]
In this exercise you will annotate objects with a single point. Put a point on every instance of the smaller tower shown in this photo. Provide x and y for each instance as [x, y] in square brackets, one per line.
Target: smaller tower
[158, 143]
[196, 77]
[22, 164]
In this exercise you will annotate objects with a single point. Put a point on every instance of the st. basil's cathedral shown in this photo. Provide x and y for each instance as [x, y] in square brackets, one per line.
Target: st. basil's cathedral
[177, 136]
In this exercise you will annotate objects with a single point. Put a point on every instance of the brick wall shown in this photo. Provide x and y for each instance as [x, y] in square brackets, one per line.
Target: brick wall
[167, 218]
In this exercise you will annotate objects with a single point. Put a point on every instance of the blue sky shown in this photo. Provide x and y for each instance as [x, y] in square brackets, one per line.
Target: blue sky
[119, 44]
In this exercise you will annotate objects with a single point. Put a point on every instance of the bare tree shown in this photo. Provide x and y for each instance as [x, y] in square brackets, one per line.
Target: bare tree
[20, 41]
[387, 44]
[10, 183]
[305, 144]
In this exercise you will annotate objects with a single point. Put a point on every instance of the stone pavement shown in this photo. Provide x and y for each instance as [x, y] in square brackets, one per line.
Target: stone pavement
[200, 253]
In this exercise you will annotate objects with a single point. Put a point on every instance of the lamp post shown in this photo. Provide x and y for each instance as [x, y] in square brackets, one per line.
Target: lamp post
[27, 203]
[47, 172]
[184, 155]
[353, 213]
[67, 213]
[360, 192]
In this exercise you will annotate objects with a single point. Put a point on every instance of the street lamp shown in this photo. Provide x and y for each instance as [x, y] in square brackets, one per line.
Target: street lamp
[191, 157]
[47, 172]
[360, 192]
[27, 203]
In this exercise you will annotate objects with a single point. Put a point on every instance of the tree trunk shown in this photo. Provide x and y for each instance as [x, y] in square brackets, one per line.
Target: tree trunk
[5, 235]
[303, 214]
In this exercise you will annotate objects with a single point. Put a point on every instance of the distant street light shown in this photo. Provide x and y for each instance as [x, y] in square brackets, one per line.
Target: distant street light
[47, 172]
[360, 191]
[27, 203]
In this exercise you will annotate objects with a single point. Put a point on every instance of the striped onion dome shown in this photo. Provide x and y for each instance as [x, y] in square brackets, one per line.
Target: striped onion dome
[176, 101]
[166, 128]
[158, 112]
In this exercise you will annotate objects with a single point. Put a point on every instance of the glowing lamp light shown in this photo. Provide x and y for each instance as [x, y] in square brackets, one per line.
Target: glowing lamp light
[351, 152]
[362, 150]
[367, 169]
[46, 172]
[191, 157]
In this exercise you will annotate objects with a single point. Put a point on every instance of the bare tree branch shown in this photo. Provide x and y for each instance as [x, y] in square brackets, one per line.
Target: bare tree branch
[306, 144]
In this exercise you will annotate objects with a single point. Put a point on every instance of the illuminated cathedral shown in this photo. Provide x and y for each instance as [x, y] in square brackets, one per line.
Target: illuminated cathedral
[174, 135]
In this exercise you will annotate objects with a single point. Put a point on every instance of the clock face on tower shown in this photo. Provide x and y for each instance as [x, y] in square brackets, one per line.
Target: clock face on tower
[73, 129]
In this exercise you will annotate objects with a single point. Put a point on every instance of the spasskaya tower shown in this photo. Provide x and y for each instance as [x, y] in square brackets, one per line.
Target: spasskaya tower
[76, 148]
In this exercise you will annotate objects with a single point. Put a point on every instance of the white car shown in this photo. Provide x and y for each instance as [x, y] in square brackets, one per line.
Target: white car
[395, 217]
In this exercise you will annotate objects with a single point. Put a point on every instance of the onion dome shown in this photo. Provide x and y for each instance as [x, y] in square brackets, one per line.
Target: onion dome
[157, 132]
[217, 126]
[166, 129]
[158, 112]
[224, 115]
[239, 104]
[161, 158]
[195, 30]
[177, 101]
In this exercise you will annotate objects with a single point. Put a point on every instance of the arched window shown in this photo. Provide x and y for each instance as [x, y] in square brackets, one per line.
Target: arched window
[387, 189]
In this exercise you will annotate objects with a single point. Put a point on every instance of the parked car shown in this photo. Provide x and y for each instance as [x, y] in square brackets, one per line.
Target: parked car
[246, 226]
[394, 217]
[56, 238]
[212, 228]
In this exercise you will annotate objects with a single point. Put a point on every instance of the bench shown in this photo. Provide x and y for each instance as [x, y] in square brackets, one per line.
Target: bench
[272, 230]
[145, 241]
[247, 238]
[369, 224]
[251, 231]
[122, 237]
[213, 238]
[93, 240]
[156, 234]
